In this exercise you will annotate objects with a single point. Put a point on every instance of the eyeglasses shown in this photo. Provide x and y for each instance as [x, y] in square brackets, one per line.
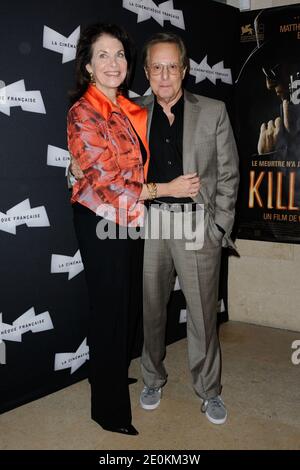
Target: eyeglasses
[156, 69]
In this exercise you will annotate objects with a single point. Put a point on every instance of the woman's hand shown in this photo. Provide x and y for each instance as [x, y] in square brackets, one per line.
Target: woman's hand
[184, 186]
[76, 170]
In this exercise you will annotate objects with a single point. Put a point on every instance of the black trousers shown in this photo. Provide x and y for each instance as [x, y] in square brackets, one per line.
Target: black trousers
[113, 270]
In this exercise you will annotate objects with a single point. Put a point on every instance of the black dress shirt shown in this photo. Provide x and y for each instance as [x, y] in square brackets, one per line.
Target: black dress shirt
[165, 144]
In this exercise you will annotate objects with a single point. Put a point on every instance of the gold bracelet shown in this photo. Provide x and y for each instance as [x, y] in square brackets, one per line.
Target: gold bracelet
[152, 190]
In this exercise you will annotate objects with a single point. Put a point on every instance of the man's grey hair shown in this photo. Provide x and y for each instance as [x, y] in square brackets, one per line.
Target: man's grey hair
[170, 38]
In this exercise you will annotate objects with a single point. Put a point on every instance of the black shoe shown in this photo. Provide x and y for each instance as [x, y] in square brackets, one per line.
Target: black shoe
[131, 380]
[129, 430]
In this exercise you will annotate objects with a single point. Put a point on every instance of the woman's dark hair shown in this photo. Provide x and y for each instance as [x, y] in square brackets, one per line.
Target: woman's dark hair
[84, 55]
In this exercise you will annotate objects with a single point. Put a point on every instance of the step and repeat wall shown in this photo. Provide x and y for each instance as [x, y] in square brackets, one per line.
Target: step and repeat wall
[43, 301]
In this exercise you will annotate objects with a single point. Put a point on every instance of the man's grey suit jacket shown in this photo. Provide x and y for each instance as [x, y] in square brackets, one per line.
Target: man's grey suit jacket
[209, 149]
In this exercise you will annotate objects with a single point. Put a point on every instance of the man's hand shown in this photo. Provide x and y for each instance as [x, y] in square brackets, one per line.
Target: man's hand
[268, 136]
[269, 133]
[76, 170]
[184, 186]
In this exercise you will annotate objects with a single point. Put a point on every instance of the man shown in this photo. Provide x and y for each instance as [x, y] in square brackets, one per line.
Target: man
[187, 134]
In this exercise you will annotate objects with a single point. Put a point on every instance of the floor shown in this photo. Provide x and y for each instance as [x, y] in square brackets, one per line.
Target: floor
[260, 388]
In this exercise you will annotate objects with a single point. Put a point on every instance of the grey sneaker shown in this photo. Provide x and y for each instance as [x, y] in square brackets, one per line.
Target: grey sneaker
[150, 397]
[214, 409]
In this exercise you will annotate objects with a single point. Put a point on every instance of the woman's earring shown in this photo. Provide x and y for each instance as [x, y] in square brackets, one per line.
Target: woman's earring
[92, 79]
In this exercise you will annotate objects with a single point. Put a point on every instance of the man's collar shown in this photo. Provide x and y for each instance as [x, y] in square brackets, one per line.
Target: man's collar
[176, 105]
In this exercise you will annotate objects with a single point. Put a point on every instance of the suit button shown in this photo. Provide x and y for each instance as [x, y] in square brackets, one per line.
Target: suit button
[169, 162]
[168, 141]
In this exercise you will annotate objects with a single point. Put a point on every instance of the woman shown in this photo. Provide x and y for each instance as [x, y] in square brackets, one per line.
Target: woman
[107, 140]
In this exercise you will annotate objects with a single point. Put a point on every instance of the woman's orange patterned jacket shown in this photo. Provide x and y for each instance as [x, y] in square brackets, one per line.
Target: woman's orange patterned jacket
[102, 141]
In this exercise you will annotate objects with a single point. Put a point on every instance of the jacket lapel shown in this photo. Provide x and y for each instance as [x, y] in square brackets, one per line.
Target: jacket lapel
[191, 110]
[147, 102]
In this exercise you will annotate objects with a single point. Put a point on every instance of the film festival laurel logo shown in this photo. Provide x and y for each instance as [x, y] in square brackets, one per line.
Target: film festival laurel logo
[248, 33]
[15, 94]
[56, 42]
[67, 264]
[72, 360]
[203, 71]
[146, 9]
[29, 321]
[22, 214]
[58, 157]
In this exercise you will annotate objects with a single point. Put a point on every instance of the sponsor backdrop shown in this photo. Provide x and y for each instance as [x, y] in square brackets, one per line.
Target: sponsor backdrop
[43, 302]
[268, 117]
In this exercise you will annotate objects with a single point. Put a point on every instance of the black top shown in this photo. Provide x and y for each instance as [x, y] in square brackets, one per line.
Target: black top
[143, 150]
[165, 144]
